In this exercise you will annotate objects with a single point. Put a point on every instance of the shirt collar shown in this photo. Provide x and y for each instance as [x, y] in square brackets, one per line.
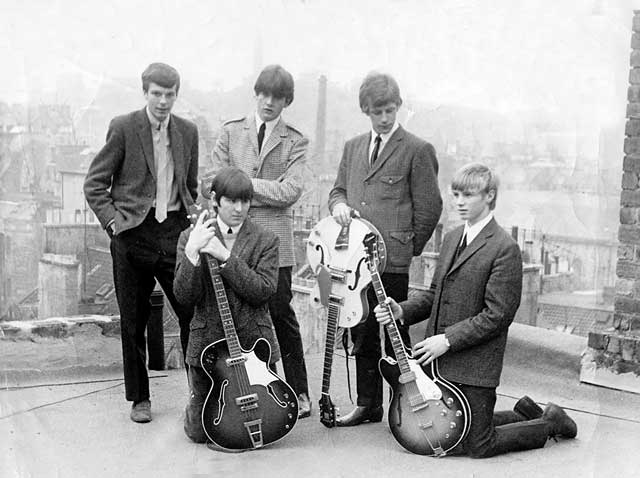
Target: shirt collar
[385, 136]
[269, 125]
[155, 124]
[473, 231]
[224, 227]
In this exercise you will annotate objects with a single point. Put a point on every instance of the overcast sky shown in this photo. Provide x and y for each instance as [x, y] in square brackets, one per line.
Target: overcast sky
[568, 55]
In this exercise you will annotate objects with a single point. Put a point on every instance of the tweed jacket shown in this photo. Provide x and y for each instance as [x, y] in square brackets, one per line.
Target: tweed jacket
[277, 174]
[472, 301]
[250, 277]
[399, 194]
[121, 182]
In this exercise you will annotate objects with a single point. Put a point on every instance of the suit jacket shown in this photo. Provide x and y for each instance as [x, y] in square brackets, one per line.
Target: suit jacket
[121, 182]
[399, 195]
[250, 277]
[473, 302]
[277, 174]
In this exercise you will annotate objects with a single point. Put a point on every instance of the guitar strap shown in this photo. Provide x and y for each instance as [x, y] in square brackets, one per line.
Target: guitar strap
[345, 346]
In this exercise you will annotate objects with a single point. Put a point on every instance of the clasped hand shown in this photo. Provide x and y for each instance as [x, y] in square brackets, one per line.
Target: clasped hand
[203, 239]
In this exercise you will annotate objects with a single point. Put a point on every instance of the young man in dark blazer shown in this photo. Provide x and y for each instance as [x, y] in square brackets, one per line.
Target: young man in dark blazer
[139, 186]
[390, 177]
[248, 255]
[473, 299]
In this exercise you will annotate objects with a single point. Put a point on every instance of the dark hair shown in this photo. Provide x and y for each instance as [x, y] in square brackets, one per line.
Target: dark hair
[233, 183]
[476, 178]
[275, 80]
[378, 89]
[160, 74]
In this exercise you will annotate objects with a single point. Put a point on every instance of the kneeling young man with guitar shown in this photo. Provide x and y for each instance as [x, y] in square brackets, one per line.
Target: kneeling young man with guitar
[473, 299]
[227, 268]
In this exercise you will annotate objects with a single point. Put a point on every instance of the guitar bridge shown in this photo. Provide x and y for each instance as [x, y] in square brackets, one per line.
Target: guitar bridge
[254, 428]
[247, 402]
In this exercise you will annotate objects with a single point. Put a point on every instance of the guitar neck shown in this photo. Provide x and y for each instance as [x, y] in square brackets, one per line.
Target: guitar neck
[230, 333]
[392, 328]
[332, 327]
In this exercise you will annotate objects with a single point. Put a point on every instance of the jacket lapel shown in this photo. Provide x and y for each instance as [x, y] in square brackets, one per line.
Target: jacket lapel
[276, 136]
[449, 253]
[478, 242]
[146, 141]
[177, 150]
[251, 131]
[244, 234]
[388, 149]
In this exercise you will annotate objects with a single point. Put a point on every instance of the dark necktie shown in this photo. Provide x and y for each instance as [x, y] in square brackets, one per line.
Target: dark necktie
[376, 149]
[462, 246]
[261, 131]
[230, 231]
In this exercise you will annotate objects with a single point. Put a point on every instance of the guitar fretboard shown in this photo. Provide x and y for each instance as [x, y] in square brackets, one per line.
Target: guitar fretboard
[392, 327]
[230, 334]
[332, 327]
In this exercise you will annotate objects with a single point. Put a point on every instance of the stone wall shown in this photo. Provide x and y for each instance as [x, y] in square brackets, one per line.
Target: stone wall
[613, 357]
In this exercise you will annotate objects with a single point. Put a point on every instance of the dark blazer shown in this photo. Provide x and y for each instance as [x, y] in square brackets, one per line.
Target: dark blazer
[399, 195]
[250, 277]
[121, 182]
[473, 302]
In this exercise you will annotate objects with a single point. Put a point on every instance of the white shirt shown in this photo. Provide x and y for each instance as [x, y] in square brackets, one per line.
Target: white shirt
[384, 139]
[269, 126]
[472, 231]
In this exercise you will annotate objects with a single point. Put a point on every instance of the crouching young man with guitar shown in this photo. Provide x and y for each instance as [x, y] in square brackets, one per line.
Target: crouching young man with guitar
[473, 299]
[227, 268]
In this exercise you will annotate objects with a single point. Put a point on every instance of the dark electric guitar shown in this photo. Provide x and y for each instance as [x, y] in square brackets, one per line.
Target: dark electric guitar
[248, 405]
[337, 257]
[427, 414]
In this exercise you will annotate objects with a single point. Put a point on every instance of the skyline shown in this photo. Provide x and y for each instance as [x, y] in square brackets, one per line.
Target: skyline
[569, 58]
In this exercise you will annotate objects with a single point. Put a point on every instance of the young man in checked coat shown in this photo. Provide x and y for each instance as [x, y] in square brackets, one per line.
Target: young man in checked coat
[272, 153]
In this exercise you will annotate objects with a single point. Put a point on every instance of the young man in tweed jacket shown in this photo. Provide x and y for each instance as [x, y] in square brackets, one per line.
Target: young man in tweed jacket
[473, 299]
[272, 153]
[390, 177]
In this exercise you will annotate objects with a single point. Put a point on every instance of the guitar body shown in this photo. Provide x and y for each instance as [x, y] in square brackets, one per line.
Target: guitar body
[341, 250]
[233, 422]
[428, 415]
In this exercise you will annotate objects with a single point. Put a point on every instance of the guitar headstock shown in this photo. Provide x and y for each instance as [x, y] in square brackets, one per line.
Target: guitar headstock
[370, 243]
[327, 411]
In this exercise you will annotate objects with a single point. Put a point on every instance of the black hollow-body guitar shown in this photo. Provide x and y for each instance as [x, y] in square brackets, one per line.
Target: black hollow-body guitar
[248, 406]
[427, 414]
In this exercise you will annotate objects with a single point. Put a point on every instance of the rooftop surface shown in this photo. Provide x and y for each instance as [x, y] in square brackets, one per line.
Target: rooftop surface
[74, 422]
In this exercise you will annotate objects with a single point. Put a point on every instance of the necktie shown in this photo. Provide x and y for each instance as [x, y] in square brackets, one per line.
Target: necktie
[462, 246]
[162, 191]
[230, 231]
[376, 149]
[261, 131]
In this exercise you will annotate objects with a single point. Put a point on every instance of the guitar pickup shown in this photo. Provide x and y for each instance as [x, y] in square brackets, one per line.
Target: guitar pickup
[338, 275]
[336, 299]
[235, 361]
[247, 402]
[407, 377]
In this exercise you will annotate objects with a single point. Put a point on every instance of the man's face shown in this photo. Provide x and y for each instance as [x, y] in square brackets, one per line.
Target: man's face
[268, 106]
[160, 100]
[382, 117]
[472, 206]
[233, 212]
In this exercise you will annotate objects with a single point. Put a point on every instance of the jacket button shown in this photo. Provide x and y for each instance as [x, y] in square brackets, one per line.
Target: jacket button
[363, 203]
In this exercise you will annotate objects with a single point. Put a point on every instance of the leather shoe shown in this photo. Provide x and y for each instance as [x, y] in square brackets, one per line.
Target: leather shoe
[560, 424]
[141, 412]
[360, 415]
[304, 406]
[528, 408]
